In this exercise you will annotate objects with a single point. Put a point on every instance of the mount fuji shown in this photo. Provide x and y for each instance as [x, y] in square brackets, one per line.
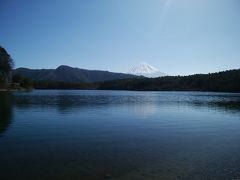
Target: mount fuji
[144, 69]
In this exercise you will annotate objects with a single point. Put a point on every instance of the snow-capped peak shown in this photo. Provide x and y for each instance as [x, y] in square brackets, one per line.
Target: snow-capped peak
[145, 69]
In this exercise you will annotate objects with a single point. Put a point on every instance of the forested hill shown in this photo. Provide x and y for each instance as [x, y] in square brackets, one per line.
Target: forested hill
[70, 75]
[228, 81]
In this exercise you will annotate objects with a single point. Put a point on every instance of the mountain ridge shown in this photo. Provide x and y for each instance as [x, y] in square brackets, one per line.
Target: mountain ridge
[64, 73]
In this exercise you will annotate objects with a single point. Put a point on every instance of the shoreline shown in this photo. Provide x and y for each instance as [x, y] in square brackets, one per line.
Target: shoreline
[121, 90]
[14, 90]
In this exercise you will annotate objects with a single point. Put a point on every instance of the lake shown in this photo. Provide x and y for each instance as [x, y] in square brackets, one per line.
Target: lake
[74, 134]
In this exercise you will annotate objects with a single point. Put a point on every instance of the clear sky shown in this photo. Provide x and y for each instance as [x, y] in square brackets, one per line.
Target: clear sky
[178, 37]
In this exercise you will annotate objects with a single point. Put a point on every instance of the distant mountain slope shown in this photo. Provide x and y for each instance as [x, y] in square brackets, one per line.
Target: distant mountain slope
[144, 69]
[225, 81]
[70, 75]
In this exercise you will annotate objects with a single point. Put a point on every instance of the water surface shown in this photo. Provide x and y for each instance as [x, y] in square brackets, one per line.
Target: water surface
[69, 135]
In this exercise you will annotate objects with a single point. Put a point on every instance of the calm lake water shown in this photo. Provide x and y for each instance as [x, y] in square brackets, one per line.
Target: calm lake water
[78, 135]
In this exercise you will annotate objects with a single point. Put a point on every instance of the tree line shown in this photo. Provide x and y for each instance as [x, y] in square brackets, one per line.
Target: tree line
[8, 80]
[226, 81]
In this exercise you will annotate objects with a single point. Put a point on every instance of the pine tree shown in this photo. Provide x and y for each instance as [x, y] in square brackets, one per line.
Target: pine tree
[6, 66]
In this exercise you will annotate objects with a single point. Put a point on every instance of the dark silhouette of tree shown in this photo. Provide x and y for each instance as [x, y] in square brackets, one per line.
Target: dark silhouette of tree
[6, 65]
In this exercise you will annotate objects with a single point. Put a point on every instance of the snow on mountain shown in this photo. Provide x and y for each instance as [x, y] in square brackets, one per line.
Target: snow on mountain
[144, 69]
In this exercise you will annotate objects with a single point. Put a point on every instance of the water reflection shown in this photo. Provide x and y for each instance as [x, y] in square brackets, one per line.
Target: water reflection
[224, 106]
[143, 103]
[6, 111]
[140, 135]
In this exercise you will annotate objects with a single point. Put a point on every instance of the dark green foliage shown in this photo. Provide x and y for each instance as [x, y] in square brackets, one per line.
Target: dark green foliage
[222, 81]
[2, 80]
[6, 65]
[17, 78]
[26, 83]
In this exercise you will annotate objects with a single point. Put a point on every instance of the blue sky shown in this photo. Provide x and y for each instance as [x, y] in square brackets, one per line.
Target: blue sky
[178, 37]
